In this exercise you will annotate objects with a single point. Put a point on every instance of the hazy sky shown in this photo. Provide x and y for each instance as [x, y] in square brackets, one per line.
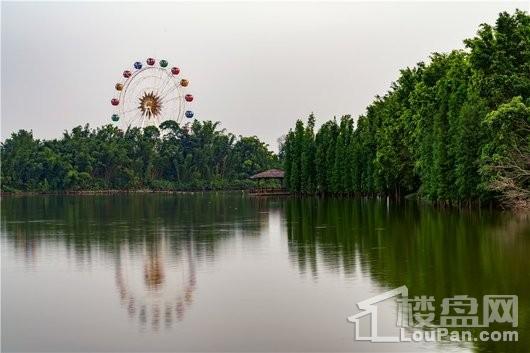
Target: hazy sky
[256, 67]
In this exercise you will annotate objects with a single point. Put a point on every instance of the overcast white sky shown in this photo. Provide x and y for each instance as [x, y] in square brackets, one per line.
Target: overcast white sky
[256, 67]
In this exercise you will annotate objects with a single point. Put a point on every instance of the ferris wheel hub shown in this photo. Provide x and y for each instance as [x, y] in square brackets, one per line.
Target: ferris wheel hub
[150, 104]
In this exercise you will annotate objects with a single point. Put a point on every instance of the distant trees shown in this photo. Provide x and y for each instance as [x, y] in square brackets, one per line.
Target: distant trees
[169, 158]
[455, 130]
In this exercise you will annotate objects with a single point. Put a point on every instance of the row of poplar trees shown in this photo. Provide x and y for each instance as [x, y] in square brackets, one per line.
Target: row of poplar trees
[453, 130]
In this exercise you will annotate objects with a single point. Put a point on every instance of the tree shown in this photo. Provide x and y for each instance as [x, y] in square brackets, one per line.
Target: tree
[505, 160]
[500, 56]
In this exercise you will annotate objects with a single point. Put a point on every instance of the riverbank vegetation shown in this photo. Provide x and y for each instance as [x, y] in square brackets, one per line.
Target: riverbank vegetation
[201, 157]
[454, 130]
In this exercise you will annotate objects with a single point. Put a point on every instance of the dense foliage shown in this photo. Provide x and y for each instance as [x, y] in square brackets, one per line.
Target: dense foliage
[456, 130]
[169, 158]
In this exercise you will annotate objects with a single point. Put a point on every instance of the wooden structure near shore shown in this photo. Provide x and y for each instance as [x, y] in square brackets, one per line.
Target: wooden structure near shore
[271, 174]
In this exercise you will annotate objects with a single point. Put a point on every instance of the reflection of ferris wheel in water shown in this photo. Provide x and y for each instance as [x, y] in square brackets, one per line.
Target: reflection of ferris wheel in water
[151, 94]
[160, 290]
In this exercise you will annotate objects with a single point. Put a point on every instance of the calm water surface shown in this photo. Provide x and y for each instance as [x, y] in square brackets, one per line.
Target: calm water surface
[225, 272]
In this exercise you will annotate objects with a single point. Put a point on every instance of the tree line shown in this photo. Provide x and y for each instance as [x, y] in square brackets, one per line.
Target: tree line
[455, 130]
[170, 157]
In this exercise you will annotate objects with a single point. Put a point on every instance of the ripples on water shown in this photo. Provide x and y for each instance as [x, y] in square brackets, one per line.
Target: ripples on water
[225, 272]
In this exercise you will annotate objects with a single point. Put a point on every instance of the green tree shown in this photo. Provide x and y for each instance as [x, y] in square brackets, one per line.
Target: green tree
[505, 160]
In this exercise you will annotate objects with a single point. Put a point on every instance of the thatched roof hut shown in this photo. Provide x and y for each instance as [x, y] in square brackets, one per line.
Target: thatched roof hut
[269, 174]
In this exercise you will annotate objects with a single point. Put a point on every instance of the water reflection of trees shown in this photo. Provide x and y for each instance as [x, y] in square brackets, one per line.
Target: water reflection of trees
[105, 221]
[155, 242]
[433, 252]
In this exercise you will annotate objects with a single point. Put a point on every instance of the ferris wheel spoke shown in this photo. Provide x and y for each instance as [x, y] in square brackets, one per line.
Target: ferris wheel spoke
[131, 122]
[158, 80]
[134, 118]
[130, 111]
[165, 101]
[169, 91]
[171, 82]
[168, 81]
[138, 80]
[136, 86]
[161, 91]
[155, 82]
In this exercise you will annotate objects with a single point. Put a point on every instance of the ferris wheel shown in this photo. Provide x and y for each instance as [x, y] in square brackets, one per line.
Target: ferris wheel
[151, 94]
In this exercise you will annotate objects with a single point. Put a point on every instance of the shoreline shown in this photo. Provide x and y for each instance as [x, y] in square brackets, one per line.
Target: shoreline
[110, 192]
[408, 198]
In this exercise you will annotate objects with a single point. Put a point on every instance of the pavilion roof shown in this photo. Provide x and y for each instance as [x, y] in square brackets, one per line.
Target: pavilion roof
[269, 174]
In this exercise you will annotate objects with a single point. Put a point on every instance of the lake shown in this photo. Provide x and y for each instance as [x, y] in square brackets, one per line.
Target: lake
[229, 272]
